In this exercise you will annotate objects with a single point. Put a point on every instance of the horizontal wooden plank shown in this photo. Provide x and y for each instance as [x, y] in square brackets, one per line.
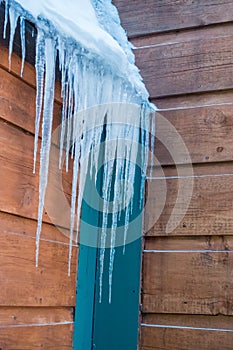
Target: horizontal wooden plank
[19, 226]
[29, 74]
[194, 126]
[206, 99]
[22, 284]
[203, 321]
[188, 67]
[32, 338]
[168, 38]
[16, 316]
[19, 186]
[188, 283]
[140, 18]
[18, 102]
[198, 204]
[189, 243]
[183, 339]
[162, 338]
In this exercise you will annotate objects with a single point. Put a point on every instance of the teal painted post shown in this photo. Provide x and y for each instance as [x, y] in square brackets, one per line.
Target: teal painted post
[104, 326]
[116, 324]
[83, 325]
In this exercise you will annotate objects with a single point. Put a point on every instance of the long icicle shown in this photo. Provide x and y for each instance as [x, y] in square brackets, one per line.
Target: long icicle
[114, 222]
[73, 199]
[46, 132]
[23, 44]
[6, 18]
[86, 82]
[40, 72]
[13, 24]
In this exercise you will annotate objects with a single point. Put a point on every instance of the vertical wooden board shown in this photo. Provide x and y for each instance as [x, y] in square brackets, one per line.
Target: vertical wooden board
[87, 265]
[100, 325]
[116, 323]
[194, 283]
[151, 16]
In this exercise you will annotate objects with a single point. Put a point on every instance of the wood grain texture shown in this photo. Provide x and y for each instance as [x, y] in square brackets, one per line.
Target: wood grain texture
[178, 339]
[18, 102]
[202, 321]
[183, 49]
[22, 284]
[29, 295]
[155, 16]
[20, 226]
[33, 338]
[197, 100]
[191, 283]
[15, 316]
[17, 330]
[189, 243]
[167, 38]
[29, 74]
[188, 67]
[207, 132]
[186, 339]
[209, 212]
[19, 186]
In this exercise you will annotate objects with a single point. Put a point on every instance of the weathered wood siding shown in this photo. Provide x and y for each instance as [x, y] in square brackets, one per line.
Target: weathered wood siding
[36, 304]
[185, 52]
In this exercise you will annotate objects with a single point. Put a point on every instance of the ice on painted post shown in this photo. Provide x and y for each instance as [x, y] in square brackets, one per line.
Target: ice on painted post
[97, 69]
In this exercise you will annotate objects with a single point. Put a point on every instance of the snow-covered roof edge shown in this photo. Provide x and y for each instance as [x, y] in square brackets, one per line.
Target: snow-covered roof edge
[97, 34]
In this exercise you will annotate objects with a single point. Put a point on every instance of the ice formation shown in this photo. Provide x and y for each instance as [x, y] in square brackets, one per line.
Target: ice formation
[97, 69]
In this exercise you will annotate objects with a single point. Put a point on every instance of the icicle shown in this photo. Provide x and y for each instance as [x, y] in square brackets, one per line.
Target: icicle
[152, 141]
[13, 24]
[50, 57]
[63, 122]
[91, 75]
[64, 61]
[110, 151]
[6, 18]
[73, 199]
[84, 160]
[74, 119]
[70, 112]
[114, 223]
[40, 71]
[107, 182]
[127, 211]
[145, 132]
[22, 36]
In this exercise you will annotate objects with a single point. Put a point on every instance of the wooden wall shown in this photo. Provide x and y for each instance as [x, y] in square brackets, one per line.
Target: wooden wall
[185, 52]
[36, 304]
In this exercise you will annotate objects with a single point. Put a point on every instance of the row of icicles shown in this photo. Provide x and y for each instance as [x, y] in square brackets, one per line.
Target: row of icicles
[123, 119]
